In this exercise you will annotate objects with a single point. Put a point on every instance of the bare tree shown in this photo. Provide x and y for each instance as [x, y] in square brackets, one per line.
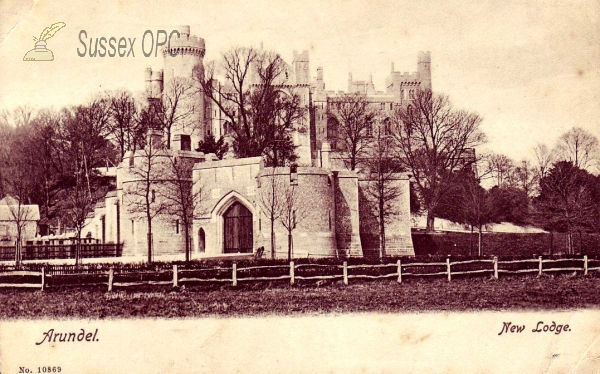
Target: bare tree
[19, 173]
[381, 189]
[578, 147]
[355, 120]
[544, 159]
[176, 107]
[180, 195]
[431, 140]
[83, 148]
[501, 168]
[292, 213]
[477, 209]
[124, 127]
[261, 114]
[271, 202]
[147, 168]
[525, 177]
[20, 116]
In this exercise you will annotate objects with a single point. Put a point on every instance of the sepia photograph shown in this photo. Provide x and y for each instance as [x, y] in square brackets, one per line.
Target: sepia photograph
[334, 186]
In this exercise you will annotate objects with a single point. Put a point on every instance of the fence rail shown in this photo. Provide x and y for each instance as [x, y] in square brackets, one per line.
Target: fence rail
[234, 275]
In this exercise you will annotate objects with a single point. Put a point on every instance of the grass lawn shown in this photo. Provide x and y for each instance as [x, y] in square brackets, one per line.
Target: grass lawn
[510, 293]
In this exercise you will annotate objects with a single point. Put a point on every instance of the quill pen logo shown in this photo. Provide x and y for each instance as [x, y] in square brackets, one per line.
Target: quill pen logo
[40, 52]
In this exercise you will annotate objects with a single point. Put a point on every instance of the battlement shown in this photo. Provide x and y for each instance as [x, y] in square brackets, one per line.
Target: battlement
[425, 56]
[185, 43]
[301, 56]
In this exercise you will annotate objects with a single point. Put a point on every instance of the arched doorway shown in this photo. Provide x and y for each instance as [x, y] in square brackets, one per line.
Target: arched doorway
[201, 240]
[237, 229]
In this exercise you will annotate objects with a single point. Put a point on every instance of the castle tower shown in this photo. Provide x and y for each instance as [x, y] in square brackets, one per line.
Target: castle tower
[182, 61]
[148, 82]
[301, 67]
[157, 83]
[424, 69]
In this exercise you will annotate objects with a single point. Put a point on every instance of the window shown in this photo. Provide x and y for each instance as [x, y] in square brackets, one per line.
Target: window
[186, 143]
[391, 106]
[293, 174]
[176, 226]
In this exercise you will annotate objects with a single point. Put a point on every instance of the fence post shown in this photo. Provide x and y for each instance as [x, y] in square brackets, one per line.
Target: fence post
[292, 273]
[585, 265]
[495, 267]
[448, 266]
[175, 275]
[111, 274]
[540, 267]
[399, 272]
[43, 277]
[345, 273]
[234, 274]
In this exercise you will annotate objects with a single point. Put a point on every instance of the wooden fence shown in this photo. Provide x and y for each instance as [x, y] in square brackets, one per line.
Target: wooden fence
[61, 251]
[292, 272]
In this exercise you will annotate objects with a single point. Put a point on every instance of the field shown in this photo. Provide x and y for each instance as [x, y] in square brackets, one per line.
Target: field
[560, 292]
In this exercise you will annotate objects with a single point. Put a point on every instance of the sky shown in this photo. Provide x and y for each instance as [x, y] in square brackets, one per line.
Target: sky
[531, 69]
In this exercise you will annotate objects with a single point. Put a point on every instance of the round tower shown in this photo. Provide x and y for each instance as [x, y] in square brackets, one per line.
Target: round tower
[183, 62]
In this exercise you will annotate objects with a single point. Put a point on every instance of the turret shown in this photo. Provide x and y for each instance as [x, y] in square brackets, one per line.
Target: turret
[183, 61]
[301, 67]
[148, 82]
[424, 69]
[157, 83]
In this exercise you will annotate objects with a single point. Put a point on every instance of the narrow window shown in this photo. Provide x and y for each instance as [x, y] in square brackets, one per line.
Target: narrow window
[329, 218]
[176, 226]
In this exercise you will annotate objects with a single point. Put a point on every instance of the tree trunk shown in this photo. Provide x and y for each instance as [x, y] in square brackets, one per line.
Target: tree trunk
[430, 222]
[381, 240]
[289, 246]
[272, 237]
[187, 243]
[471, 242]
[149, 240]
[479, 249]
[78, 249]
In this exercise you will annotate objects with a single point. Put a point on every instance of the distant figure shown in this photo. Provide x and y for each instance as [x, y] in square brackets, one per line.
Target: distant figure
[259, 252]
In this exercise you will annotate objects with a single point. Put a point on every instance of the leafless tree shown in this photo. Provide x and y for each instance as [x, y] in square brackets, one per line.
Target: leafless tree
[381, 189]
[20, 116]
[431, 139]
[82, 148]
[292, 212]
[176, 107]
[260, 112]
[181, 195]
[543, 158]
[19, 172]
[524, 176]
[578, 147]
[271, 202]
[124, 127]
[501, 168]
[355, 120]
[147, 169]
[476, 208]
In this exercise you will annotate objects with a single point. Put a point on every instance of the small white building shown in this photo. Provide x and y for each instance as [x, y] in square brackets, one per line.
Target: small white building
[10, 213]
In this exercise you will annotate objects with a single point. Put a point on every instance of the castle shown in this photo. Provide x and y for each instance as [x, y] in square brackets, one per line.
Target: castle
[329, 212]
